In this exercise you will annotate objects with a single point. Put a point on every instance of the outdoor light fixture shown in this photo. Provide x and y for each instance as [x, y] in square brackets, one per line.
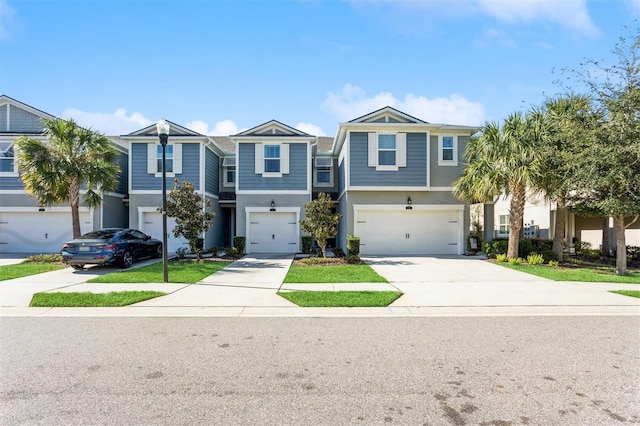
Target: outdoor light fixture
[163, 134]
[409, 201]
[273, 206]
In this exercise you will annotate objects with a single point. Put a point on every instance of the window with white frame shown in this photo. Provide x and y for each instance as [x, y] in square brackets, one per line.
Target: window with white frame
[7, 158]
[323, 175]
[173, 159]
[387, 151]
[503, 224]
[229, 170]
[448, 150]
[272, 158]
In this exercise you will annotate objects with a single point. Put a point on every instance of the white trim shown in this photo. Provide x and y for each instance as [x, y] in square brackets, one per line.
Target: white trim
[14, 191]
[36, 209]
[114, 194]
[388, 188]
[271, 191]
[249, 210]
[211, 195]
[453, 162]
[441, 188]
[203, 170]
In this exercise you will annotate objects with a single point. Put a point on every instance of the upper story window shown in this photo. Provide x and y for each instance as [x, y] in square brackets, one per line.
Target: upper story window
[448, 150]
[323, 175]
[272, 160]
[7, 159]
[229, 170]
[387, 151]
[173, 159]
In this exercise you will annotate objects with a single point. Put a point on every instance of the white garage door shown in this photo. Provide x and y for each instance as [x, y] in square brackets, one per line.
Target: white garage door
[273, 232]
[408, 232]
[38, 232]
[152, 225]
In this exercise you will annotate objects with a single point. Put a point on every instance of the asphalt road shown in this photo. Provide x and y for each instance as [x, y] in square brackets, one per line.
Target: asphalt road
[320, 371]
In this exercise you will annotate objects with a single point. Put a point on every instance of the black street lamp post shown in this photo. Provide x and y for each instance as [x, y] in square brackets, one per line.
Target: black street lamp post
[163, 134]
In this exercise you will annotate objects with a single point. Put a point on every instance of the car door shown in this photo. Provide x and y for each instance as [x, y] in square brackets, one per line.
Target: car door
[145, 243]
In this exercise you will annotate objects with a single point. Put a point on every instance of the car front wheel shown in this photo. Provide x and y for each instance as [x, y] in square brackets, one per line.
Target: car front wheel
[77, 267]
[159, 252]
[127, 259]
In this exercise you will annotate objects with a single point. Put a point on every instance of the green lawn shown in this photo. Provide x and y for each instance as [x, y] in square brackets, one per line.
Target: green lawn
[9, 272]
[86, 299]
[632, 293]
[336, 299]
[179, 272]
[584, 274]
[333, 274]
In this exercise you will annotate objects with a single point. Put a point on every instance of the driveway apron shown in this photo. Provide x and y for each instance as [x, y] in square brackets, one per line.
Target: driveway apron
[250, 281]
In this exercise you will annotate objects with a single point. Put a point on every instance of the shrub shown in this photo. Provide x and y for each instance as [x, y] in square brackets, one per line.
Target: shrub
[553, 263]
[548, 255]
[354, 260]
[590, 254]
[45, 258]
[633, 252]
[238, 244]
[337, 252]
[501, 258]
[353, 246]
[541, 244]
[307, 240]
[182, 252]
[515, 260]
[487, 249]
[233, 252]
[535, 259]
[525, 248]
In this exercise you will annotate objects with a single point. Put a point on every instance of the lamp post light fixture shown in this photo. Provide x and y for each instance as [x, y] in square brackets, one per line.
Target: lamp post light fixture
[163, 134]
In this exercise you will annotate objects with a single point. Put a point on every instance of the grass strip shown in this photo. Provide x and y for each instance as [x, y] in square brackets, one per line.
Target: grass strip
[179, 272]
[24, 269]
[583, 274]
[333, 274]
[631, 293]
[339, 299]
[87, 299]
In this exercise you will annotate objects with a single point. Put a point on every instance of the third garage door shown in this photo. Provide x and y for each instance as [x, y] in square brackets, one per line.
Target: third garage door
[408, 232]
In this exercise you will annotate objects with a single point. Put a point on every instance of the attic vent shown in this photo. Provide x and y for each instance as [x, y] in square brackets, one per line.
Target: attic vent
[228, 161]
[324, 161]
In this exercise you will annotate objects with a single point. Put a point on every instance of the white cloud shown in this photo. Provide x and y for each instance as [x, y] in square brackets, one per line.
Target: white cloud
[353, 102]
[8, 18]
[115, 123]
[198, 126]
[493, 35]
[310, 128]
[221, 128]
[635, 6]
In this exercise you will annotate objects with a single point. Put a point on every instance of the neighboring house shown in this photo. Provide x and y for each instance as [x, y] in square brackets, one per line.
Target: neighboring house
[395, 178]
[190, 156]
[25, 226]
[539, 222]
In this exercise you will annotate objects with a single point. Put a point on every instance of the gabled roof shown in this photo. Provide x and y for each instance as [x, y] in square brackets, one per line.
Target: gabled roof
[325, 143]
[174, 130]
[387, 115]
[272, 128]
[224, 143]
[13, 103]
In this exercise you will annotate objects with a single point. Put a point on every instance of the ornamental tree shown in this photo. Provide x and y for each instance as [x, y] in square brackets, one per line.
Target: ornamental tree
[320, 221]
[189, 209]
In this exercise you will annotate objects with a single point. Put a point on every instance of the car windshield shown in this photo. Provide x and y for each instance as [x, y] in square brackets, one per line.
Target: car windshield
[103, 234]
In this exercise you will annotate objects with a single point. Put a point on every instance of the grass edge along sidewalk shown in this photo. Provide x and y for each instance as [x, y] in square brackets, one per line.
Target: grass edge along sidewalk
[576, 273]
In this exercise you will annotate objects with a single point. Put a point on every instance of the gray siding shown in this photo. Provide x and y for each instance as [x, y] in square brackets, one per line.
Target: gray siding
[215, 236]
[3, 118]
[446, 175]
[10, 183]
[212, 172]
[415, 174]
[114, 213]
[23, 121]
[123, 179]
[264, 200]
[296, 180]
[141, 180]
[341, 177]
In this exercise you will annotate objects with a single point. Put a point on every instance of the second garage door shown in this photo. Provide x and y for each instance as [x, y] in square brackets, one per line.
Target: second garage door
[152, 225]
[408, 232]
[273, 232]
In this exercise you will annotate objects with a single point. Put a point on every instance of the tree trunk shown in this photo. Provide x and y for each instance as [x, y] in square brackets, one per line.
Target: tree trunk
[74, 201]
[516, 217]
[621, 246]
[558, 231]
[606, 246]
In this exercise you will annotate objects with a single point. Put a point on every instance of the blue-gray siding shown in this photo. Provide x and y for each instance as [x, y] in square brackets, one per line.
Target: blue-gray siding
[415, 174]
[341, 177]
[123, 179]
[296, 180]
[11, 183]
[24, 121]
[3, 118]
[212, 172]
[141, 180]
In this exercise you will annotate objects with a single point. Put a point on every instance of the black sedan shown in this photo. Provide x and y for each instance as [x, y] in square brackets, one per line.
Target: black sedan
[110, 246]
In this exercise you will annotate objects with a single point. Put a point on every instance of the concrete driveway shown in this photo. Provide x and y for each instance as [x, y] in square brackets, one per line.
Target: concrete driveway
[422, 269]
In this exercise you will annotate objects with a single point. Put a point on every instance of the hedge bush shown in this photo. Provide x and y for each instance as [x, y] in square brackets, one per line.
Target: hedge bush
[238, 243]
[353, 245]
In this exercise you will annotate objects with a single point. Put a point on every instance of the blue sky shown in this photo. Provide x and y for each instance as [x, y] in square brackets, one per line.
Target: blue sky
[219, 67]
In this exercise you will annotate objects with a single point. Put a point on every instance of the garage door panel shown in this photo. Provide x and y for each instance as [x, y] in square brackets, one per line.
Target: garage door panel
[38, 232]
[408, 232]
[273, 232]
[152, 225]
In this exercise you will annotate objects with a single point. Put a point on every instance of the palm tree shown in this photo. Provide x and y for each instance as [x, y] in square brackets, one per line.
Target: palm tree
[71, 159]
[504, 160]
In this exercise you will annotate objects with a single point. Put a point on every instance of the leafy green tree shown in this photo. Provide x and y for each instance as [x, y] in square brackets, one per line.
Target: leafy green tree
[504, 160]
[320, 221]
[189, 209]
[73, 157]
[605, 166]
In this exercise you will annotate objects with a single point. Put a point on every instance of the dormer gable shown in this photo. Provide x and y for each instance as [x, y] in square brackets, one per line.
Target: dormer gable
[387, 115]
[19, 118]
[174, 130]
[273, 128]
